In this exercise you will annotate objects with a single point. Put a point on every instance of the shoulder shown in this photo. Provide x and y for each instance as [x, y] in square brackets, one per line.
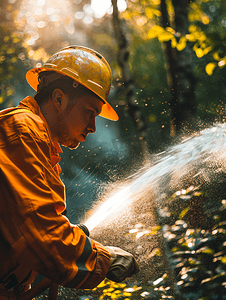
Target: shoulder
[21, 120]
[23, 116]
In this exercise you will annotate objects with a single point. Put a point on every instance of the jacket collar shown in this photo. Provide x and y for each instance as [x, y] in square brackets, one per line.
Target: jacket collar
[33, 106]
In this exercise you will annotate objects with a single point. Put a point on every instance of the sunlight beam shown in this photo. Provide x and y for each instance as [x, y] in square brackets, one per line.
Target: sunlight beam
[101, 7]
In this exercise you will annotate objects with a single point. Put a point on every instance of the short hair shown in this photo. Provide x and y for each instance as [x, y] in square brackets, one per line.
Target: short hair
[63, 83]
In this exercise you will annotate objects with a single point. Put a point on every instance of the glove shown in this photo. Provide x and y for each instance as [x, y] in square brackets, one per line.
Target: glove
[84, 228]
[122, 264]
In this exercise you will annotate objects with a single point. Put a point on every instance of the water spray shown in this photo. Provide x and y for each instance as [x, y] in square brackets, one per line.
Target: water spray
[112, 204]
[177, 158]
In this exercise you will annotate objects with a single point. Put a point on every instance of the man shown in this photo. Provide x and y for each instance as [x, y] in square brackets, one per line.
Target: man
[72, 89]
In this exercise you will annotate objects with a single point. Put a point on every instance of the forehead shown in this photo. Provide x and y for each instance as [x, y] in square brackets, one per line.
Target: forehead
[92, 100]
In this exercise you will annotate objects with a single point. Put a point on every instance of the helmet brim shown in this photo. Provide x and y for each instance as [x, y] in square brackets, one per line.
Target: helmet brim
[107, 111]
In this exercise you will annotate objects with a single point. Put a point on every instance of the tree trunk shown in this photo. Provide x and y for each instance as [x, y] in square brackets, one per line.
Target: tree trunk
[122, 58]
[182, 81]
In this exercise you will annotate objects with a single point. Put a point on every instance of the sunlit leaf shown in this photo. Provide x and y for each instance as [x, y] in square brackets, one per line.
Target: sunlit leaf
[108, 290]
[195, 14]
[6, 38]
[154, 252]
[191, 37]
[207, 250]
[14, 59]
[156, 2]
[149, 12]
[199, 52]
[210, 67]
[103, 283]
[119, 285]
[125, 294]
[184, 212]
[192, 28]
[155, 31]
[154, 230]
[182, 43]
[126, 15]
[16, 40]
[165, 36]
[158, 252]
[207, 50]
[157, 12]
[205, 19]
[223, 259]
[10, 51]
[170, 29]
[216, 56]
[173, 42]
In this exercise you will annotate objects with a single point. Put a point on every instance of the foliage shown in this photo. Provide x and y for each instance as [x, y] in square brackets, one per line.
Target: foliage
[196, 253]
[114, 290]
[209, 21]
[206, 37]
[110, 290]
[13, 58]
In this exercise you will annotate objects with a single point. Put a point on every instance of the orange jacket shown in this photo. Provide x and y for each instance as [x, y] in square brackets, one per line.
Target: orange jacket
[33, 233]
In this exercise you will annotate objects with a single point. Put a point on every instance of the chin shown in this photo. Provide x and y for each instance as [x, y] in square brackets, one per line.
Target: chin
[71, 146]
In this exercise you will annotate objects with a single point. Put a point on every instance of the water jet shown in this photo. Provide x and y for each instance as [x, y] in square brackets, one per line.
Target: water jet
[169, 167]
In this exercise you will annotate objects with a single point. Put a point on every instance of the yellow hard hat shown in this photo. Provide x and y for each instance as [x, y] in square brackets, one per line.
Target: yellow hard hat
[85, 66]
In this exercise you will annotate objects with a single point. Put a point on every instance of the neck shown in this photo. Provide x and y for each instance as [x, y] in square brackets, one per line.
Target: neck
[50, 115]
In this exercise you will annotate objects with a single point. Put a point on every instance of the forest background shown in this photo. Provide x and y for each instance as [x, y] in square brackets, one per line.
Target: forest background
[168, 62]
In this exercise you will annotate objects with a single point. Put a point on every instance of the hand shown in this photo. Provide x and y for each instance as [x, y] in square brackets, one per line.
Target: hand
[122, 264]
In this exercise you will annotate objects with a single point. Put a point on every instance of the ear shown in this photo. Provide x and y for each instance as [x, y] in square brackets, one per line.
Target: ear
[60, 99]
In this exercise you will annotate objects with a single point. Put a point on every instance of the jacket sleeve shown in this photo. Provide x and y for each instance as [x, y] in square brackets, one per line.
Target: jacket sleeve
[41, 239]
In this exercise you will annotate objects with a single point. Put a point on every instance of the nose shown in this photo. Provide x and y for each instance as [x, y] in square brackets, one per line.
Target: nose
[92, 125]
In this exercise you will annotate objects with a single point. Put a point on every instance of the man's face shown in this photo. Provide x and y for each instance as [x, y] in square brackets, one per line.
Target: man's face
[77, 120]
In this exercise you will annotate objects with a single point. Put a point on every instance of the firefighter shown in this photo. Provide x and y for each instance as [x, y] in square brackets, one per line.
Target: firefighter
[36, 238]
